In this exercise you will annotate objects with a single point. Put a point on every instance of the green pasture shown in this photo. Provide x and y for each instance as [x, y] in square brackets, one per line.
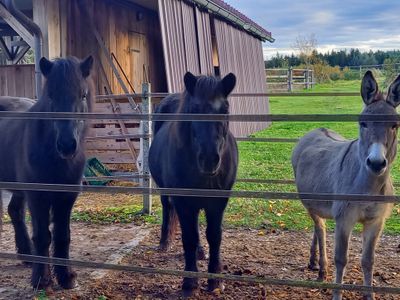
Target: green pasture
[272, 161]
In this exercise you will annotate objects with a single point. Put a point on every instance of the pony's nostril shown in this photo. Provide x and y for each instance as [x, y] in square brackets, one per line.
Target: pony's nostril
[216, 159]
[67, 146]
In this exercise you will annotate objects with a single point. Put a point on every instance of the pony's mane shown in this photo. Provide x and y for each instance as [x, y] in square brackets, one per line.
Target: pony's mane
[68, 70]
[206, 86]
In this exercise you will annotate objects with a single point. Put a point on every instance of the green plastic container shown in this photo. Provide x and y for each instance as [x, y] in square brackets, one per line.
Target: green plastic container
[94, 168]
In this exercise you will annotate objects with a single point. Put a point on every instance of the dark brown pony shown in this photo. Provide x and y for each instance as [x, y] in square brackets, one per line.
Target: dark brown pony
[48, 151]
[195, 155]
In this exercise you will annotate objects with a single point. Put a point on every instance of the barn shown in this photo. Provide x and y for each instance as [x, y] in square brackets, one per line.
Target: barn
[135, 41]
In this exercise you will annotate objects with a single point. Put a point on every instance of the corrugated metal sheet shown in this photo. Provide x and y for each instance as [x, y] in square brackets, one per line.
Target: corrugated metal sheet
[181, 50]
[205, 43]
[187, 43]
[241, 54]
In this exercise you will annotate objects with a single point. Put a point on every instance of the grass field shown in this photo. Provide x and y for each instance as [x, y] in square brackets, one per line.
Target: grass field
[272, 161]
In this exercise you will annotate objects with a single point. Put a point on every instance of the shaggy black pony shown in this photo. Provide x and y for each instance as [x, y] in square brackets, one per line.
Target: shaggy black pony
[195, 155]
[52, 152]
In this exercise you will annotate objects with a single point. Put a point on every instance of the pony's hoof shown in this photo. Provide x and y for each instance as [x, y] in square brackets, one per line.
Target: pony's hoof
[215, 286]
[201, 254]
[164, 247]
[67, 280]
[369, 297]
[321, 276]
[189, 286]
[313, 267]
[43, 283]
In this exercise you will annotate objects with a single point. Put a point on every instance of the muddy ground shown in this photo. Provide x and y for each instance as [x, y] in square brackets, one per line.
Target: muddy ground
[279, 254]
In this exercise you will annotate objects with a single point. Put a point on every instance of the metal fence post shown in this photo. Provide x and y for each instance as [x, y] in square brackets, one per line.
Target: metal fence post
[146, 140]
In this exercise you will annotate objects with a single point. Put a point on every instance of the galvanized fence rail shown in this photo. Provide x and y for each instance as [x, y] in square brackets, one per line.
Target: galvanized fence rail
[147, 117]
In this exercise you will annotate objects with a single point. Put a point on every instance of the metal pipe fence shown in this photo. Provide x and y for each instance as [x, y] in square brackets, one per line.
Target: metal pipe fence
[193, 193]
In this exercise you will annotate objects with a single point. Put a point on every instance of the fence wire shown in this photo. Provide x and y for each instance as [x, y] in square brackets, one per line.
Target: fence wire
[227, 277]
[356, 198]
[195, 193]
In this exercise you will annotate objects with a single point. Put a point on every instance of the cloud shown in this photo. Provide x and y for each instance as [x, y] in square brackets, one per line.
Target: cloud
[336, 24]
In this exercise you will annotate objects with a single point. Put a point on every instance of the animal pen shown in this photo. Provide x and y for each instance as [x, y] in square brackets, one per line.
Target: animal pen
[151, 50]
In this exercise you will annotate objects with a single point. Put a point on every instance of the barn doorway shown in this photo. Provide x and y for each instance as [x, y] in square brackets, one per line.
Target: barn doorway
[138, 48]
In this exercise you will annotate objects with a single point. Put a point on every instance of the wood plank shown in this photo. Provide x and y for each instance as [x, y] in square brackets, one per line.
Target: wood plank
[112, 157]
[111, 131]
[109, 145]
[16, 25]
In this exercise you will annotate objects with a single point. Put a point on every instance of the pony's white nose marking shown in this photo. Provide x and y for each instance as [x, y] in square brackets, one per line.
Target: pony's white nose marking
[217, 103]
[377, 152]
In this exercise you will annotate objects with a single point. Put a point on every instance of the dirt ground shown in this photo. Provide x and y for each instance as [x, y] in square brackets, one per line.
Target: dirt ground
[89, 242]
[279, 254]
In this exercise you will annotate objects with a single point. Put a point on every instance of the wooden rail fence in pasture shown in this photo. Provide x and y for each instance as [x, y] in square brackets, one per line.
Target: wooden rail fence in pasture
[289, 79]
[144, 135]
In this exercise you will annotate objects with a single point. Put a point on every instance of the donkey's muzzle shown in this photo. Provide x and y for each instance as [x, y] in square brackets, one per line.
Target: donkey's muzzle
[377, 166]
[67, 148]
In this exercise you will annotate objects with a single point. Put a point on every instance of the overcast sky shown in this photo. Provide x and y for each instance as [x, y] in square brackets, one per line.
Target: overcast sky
[337, 24]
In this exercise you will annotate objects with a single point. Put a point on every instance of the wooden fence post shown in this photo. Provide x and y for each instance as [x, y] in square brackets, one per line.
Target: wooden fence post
[290, 79]
[145, 142]
[307, 78]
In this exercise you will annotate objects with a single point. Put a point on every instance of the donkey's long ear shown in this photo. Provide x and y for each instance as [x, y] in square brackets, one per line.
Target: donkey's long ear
[45, 66]
[190, 82]
[369, 88]
[86, 66]
[228, 84]
[393, 96]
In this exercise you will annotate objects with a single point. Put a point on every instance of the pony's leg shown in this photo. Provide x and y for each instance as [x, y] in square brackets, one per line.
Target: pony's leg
[169, 222]
[320, 233]
[188, 218]
[214, 215]
[371, 234]
[343, 228]
[16, 211]
[62, 238]
[41, 237]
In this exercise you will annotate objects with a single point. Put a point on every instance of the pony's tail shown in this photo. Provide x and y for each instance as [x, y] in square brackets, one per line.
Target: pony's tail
[173, 223]
[169, 223]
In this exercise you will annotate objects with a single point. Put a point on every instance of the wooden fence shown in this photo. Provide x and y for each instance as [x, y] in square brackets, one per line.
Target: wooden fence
[289, 79]
[18, 81]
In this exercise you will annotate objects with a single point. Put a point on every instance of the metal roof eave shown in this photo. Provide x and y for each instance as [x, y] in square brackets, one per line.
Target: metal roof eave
[218, 10]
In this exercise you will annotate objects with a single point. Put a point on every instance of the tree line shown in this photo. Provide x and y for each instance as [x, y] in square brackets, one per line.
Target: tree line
[341, 58]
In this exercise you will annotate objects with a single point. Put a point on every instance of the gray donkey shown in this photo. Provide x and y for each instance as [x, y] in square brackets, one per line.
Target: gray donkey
[325, 162]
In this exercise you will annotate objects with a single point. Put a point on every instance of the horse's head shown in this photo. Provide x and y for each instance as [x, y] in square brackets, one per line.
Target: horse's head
[378, 140]
[208, 95]
[68, 88]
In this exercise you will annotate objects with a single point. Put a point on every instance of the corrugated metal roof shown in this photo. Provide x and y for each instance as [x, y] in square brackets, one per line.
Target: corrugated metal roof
[238, 14]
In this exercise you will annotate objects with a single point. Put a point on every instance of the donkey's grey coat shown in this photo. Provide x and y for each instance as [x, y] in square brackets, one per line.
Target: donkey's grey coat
[325, 162]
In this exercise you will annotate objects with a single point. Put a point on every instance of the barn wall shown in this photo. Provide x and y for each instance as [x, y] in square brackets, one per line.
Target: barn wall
[186, 41]
[241, 53]
[18, 81]
[132, 34]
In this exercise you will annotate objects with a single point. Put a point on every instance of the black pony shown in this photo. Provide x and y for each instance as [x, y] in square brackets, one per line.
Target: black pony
[48, 151]
[196, 155]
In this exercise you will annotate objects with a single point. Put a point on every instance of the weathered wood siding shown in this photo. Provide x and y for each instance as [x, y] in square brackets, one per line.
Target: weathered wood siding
[17, 80]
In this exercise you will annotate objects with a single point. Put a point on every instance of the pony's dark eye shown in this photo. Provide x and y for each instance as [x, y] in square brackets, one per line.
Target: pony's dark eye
[394, 127]
[363, 125]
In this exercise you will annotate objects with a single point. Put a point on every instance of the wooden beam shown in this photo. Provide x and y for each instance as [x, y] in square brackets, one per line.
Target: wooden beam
[21, 53]
[4, 48]
[16, 25]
